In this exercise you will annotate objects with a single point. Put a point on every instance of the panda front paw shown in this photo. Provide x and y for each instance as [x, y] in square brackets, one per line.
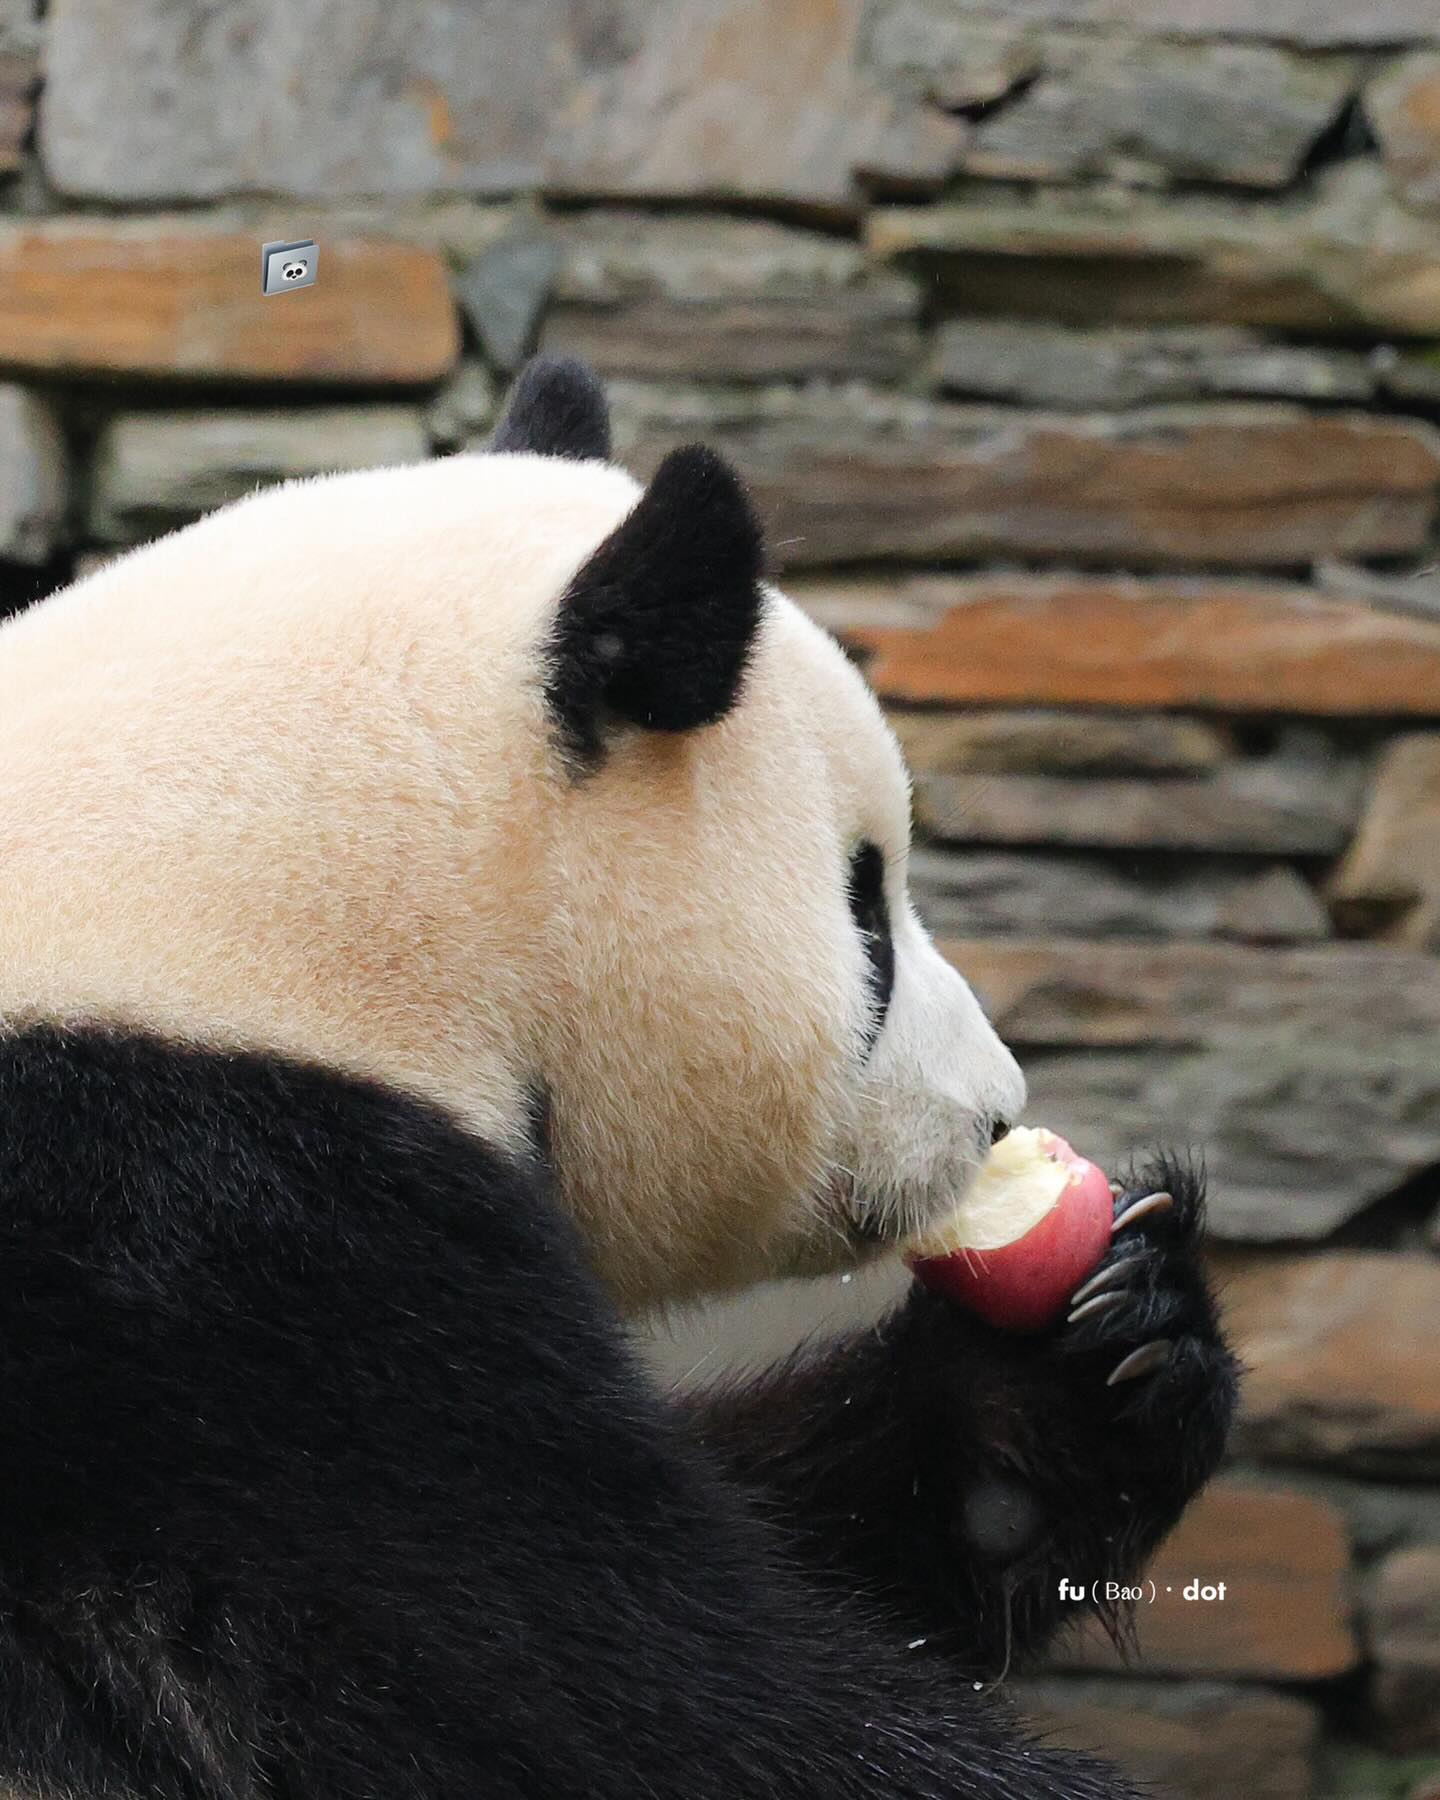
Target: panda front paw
[1144, 1325]
[1108, 1424]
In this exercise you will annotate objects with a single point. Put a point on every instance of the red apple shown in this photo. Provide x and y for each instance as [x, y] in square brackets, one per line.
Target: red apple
[1034, 1224]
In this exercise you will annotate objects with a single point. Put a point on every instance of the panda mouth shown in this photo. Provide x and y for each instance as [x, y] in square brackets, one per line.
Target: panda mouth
[848, 1229]
[867, 1230]
[872, 1225]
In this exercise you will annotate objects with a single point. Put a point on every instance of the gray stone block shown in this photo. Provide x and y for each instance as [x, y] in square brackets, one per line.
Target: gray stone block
[179, 99]
[1282, 806]
[1379, 1517]
[1309, 1077]
[1342, 258]
[956, 57]
[1032, 363]
[727, 300]
[19, 27]
[154, 471]
[1042, 740]
[32, 475]
[1148, 111]
[843, 475]
[994, 892]
[1318, 24]
[745, 99]
[504, 291]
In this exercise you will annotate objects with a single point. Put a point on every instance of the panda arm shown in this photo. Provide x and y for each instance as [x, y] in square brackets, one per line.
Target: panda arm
[325, 1469]
[957, 1472]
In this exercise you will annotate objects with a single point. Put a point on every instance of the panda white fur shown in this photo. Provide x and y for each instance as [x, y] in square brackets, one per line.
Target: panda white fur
[400, 871]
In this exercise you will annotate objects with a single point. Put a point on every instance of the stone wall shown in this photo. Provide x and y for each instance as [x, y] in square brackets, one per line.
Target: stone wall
[1085, 358]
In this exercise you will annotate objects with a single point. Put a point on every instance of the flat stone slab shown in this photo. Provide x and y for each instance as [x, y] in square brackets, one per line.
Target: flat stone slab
[726, 299]
[1031, 363]
[1051, 741]
[1194, 994]
[1307, 1076]
[746, 99]
[1319, 24]
[1143, 110]
[154, 471]
[774, 101]
[396, 98]
[32, 475]
[168, 299]
[997, 892]
[846, 476]
[956, 58]
[1340, 1356]
[1344, 257]
[149, 102]
[1380, 1516]
[1272, 805]
[1285, 1562]
[1208, 645]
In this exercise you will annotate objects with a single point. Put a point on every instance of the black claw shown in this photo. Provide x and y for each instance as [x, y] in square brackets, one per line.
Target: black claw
[1096, 1304]
[1143, 1361]
[1102, 1278]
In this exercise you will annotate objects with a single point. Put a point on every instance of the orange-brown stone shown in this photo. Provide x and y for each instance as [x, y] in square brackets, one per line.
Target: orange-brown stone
[1283, 1559]
[170, 301]
[1214, 645]
[1340, 1356]
[852, 478]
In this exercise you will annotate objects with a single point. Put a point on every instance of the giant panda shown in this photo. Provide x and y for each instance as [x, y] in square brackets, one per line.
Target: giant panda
[446, 910]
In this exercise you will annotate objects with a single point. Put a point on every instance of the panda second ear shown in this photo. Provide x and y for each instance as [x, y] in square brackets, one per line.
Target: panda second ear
[557, 407]
[657, 626]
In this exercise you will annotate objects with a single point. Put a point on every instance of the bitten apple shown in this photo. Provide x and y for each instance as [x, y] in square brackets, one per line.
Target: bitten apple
[1034, 1224]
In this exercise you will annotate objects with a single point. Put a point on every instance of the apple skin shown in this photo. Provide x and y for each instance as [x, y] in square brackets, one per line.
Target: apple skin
[1025, 1286]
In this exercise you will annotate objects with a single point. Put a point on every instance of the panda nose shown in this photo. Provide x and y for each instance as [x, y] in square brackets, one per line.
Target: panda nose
[998, 1130]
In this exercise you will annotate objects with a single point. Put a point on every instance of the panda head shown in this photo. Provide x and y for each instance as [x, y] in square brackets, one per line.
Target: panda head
[507, 781]
[757, 1061]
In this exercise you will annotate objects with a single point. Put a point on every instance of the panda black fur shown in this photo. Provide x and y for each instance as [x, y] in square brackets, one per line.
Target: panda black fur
[326, 1471]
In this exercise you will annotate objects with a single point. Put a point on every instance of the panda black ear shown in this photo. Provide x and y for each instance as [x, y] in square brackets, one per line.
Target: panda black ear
[657, 626]
[557, 407]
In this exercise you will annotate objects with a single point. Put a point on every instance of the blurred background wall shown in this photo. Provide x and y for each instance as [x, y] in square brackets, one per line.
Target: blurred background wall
[1084, 356]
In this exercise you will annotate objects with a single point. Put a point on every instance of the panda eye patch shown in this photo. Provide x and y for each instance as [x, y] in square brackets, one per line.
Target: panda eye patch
[871, 913]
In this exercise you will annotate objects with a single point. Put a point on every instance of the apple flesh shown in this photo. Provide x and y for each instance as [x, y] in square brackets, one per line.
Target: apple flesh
[1034, 1224]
